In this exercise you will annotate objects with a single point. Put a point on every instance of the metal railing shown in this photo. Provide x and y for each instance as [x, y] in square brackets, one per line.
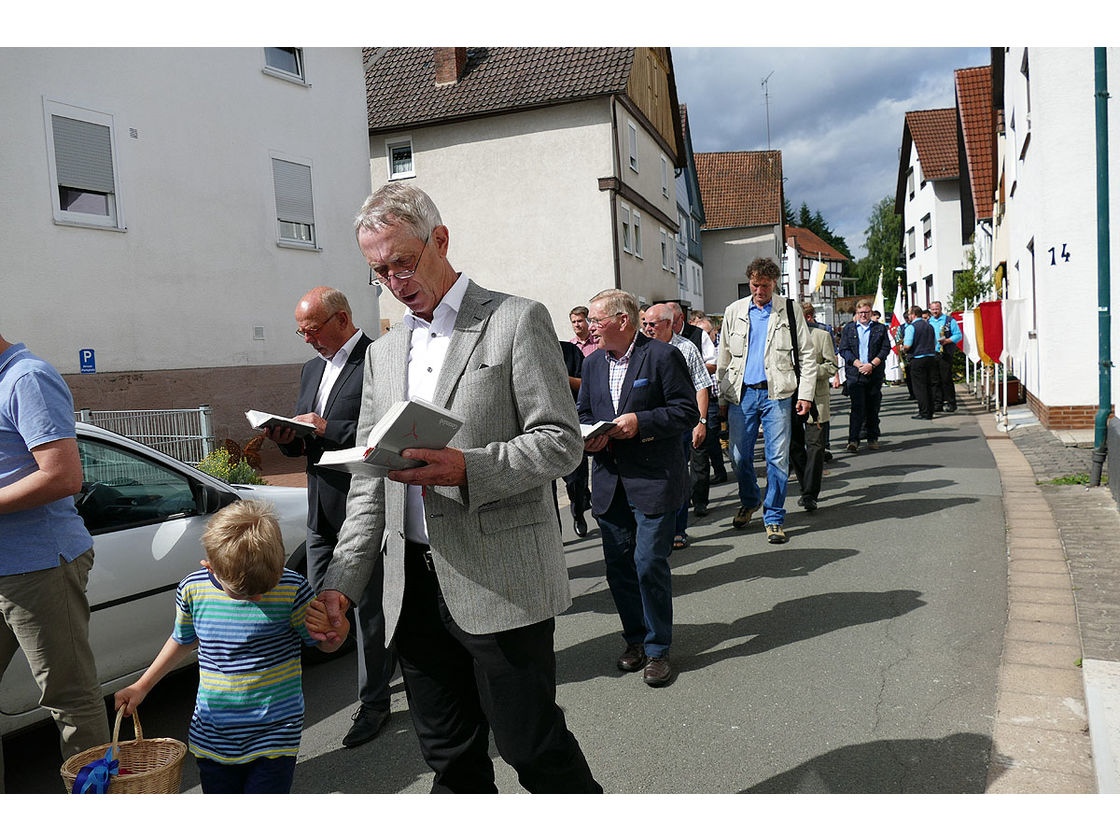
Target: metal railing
[183, 433]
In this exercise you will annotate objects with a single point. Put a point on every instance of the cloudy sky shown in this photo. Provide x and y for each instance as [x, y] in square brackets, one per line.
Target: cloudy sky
[835, 113]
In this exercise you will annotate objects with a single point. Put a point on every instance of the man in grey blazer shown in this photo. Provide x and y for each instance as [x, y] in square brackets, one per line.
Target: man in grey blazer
[474, 570]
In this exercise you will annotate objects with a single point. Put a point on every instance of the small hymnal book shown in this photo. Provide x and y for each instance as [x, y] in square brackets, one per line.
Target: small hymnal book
[595, 429]
[264, 420]
[409, 424]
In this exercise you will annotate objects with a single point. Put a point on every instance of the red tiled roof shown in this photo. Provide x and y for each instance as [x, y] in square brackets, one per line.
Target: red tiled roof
[740, 189]
[401, 89]
[935, 136]
[808, 244]
[974, 102]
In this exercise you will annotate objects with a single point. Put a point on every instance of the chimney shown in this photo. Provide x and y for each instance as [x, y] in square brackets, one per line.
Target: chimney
[450, 62]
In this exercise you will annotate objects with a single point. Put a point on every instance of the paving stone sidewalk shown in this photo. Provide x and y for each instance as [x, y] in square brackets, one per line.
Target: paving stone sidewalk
[1088, 525]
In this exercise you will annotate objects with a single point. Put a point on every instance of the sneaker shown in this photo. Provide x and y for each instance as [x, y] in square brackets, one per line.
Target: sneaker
[853, 447]
[743, 516]
[775, 534]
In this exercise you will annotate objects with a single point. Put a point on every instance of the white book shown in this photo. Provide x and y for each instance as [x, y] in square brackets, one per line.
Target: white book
[264, 420]
[408, 424]
[593, 430]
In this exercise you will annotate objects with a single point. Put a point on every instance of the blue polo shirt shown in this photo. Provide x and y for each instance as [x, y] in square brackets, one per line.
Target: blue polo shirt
[755, 370]
[35, 408]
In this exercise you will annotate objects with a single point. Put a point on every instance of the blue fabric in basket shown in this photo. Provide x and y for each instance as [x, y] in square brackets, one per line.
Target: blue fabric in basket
[95, 776]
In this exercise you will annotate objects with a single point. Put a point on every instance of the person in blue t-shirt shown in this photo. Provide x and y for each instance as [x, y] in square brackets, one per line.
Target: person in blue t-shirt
[244, 614]
[948, 333]
[46, 553]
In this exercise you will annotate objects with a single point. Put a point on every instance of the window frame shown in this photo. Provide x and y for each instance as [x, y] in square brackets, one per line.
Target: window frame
[299, 78]
[636, 222]
[664, 176]
[627, 235]
[664, 235]
[927, 232]
[281, 240]
[114, 219]
[632, 144]
[397, 143]
[911, 243]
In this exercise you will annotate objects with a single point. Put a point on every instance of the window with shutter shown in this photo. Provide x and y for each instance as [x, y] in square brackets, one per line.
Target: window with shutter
[295, 212]
[82, 168]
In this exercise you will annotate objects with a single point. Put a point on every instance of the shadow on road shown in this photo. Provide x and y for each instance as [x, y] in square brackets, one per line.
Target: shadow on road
[954, 764]
[698, 645]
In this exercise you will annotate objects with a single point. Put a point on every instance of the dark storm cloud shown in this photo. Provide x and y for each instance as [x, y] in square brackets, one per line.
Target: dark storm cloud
[835, 113]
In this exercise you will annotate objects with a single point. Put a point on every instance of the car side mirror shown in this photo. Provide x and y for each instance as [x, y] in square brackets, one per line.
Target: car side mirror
[210, 499]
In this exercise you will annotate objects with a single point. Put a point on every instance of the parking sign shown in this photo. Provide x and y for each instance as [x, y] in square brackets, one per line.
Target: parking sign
[86, 360]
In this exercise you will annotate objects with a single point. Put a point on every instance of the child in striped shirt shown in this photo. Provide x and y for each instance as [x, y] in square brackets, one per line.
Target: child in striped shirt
[244, 613]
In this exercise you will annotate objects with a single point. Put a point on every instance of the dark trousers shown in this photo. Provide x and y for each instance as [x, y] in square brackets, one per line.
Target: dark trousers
[461, 686]
[264, 775]
[703, 463]
[924, 372]
[712, 442]
[944, 393]
[376, 663]
[866, 397]
[636, 550]
[579, 495]
[806, 454]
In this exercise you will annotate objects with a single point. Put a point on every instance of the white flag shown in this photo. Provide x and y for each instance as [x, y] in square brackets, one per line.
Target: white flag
[968, 331]
[792, 274]
[1014, 330]
[879, 305]
[816, 276]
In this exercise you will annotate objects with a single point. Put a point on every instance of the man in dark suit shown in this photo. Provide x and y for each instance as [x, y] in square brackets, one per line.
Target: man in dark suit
[639, 480]
[864, 345]
[330, 397]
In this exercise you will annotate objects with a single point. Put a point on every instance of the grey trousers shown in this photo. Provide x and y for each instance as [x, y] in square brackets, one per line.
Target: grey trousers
[46, 614]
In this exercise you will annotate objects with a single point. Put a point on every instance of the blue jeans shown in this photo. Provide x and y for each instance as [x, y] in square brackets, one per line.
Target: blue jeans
[743, 420]
[636, 550]
[263, 775]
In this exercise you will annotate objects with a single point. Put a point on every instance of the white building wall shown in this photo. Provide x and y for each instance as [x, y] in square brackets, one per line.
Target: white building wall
[520, 196]
[198, 266]
[727, 253]
[941, 201]
[1051, 214]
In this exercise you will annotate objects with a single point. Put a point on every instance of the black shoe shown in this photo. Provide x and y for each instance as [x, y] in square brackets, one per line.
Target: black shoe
[807, 503]
[939, 409]
[658, 672]
[950, 408]
[827, 456]
[367, 723]
[700, 511]
[919, 417]
[719, 479]
[580, 524]
[633, 658]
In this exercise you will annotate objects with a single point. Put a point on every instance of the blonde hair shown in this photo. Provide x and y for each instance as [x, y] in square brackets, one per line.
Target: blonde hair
[244, 547]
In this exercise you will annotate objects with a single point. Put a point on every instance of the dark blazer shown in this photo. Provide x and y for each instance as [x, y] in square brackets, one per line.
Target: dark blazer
[327, 489]
[878, 346]
[651, 466]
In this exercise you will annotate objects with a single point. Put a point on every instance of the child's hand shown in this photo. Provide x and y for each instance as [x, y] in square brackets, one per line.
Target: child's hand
[129, 698]
[316, 618]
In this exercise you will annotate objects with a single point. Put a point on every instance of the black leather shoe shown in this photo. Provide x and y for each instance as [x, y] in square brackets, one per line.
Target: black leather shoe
[633, 658]
[580, 524]
[700, 511]
[950, 408]
[658, 672]
[807, 503]
[920, 417]
[367, 723]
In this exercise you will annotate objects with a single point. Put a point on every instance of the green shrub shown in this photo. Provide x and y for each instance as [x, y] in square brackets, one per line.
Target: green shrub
[217, 464]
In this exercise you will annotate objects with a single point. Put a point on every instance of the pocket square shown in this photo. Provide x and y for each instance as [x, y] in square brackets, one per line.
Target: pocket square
[640, 383]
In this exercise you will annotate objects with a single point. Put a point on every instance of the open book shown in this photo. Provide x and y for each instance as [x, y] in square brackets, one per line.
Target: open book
[409, 424]
[595, 429]
[264, 420]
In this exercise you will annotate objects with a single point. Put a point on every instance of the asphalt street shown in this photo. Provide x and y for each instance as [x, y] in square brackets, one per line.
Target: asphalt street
[861, 656]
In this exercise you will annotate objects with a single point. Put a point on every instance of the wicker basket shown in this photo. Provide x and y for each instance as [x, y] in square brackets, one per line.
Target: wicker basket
[146, 765]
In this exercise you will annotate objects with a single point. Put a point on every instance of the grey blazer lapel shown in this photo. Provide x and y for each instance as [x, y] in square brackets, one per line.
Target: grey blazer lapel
[469, 324]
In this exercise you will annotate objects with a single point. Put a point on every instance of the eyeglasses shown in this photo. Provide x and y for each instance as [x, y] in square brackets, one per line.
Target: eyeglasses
[594, 322]
[317, 330]
[385, 276]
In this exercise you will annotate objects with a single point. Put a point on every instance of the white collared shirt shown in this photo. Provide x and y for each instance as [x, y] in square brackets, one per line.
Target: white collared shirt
[427, 350]
[331, 370]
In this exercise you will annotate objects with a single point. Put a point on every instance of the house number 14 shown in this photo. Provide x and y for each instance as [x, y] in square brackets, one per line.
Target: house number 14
[1064, 255]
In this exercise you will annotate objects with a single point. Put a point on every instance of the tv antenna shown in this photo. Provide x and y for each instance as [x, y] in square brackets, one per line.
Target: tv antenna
[766, 97]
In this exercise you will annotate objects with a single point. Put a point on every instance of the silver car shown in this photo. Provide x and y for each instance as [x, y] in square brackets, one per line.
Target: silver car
[146, 512]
